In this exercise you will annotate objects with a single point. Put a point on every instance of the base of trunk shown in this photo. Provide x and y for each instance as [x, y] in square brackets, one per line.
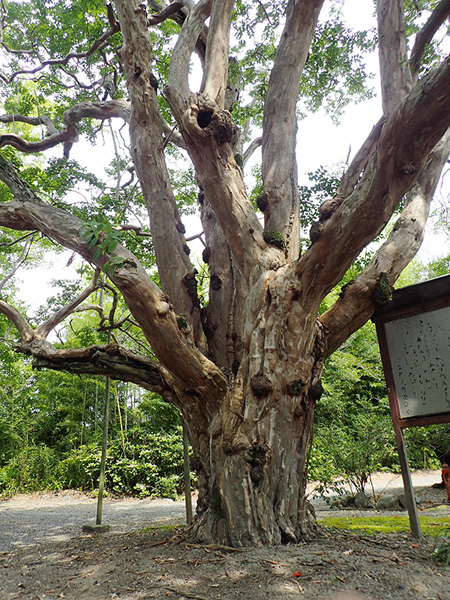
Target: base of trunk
[210, 528]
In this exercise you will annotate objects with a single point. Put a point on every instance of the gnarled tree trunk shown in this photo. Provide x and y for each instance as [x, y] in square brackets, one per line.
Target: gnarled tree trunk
[245, 370]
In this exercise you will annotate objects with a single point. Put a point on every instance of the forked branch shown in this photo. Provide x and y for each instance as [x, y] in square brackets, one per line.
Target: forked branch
[44, 329]
[72, 119]
[356, 304]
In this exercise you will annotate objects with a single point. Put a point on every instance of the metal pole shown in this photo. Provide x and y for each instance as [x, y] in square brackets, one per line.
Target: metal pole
[101, 482]
[187, 478]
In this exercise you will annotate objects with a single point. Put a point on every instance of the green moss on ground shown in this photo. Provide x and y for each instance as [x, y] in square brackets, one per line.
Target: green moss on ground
[431, 525]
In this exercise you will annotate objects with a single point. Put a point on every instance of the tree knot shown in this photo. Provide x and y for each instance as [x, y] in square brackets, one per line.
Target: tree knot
[261, 385]
[296, 387]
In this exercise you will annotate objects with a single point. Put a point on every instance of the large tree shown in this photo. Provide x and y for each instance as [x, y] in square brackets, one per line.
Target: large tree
[245, 370]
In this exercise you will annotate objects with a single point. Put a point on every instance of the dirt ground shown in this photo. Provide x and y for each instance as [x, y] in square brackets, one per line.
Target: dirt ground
[162, 564]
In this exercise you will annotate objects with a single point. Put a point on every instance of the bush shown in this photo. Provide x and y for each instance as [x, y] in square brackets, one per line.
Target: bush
[353, 452]
[81, 468]
[441, 552]
[150, 466]
[426, 444]
[33, 469]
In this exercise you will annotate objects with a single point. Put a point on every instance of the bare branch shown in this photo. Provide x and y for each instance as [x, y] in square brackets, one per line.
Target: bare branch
[257, 142]
[18, 240]
[25, 331]
[426, 34]
[88, 307]
[42, 120]
[396, 79]
[114, 28]
[353, 173]
[18, 262]
[19, 52]
[166, 13]
[46, 327]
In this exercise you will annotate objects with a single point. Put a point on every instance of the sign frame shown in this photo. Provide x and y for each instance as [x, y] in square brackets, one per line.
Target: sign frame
[410, 301]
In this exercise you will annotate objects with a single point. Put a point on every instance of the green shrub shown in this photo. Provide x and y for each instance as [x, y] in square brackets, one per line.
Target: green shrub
[81, 468]
[352, 452]
[33, 469]
[442, 549]
[152, 465]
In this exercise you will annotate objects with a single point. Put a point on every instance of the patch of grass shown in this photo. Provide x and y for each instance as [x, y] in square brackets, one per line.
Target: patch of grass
[162, 528]
[431, 525]
[442, 551]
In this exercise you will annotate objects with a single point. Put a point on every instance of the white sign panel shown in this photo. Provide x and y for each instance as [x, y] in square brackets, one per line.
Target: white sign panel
[419, 351]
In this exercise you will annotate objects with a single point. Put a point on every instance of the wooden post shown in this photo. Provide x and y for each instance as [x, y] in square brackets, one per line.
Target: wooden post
[411, 504]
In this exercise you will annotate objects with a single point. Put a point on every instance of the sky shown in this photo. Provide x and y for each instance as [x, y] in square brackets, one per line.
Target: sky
[320, 142]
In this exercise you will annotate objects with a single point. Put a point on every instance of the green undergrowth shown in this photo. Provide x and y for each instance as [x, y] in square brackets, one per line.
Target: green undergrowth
[432, 526]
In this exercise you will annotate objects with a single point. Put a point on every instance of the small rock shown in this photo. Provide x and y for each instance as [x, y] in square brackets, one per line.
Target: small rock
[361, 500]
[388, 503]
[347, 500]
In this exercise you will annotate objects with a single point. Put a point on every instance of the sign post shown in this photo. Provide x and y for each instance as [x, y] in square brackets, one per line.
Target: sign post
[414, 336]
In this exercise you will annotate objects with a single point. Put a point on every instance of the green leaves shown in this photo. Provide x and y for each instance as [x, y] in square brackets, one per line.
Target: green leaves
[102, 236]
[335, 72]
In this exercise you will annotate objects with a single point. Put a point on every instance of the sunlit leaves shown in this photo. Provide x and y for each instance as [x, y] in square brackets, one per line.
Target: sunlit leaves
[335, 72]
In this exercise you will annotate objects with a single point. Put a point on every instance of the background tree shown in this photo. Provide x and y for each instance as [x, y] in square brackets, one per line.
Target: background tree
[245, 370]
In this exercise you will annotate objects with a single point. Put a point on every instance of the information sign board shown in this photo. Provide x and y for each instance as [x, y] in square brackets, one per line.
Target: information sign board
[414, 336]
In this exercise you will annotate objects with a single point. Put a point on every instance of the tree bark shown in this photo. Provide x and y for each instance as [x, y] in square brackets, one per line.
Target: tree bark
[245, 371]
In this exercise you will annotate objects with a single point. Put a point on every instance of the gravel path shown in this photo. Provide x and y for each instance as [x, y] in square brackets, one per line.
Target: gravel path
[34, 519]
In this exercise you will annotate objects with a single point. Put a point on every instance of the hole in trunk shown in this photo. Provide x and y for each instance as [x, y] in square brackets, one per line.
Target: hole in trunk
[204, 118]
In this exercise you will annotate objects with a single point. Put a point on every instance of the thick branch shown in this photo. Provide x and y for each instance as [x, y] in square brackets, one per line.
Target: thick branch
[166, 13]
[407, 138]
[215, 74]
[356, 306]
[42, 120]
[148, 156]
[426, 34]
[110, 360]
[149, 306]
[279, 127]
[395, 74]
[178, 79]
